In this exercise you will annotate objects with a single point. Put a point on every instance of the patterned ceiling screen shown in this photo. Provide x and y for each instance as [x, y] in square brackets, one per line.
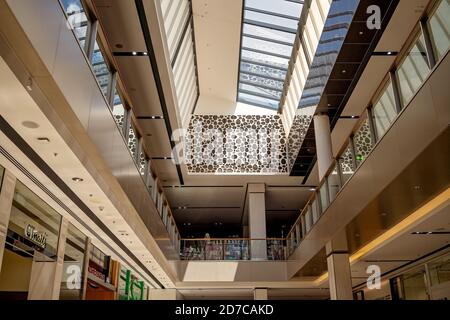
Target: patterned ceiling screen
[247, 144]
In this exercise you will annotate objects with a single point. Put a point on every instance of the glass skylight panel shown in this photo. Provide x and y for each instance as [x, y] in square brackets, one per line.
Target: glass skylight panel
[264, 71]
[268, 34]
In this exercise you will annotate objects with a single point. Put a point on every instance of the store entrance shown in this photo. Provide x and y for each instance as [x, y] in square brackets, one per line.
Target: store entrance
[19, 259]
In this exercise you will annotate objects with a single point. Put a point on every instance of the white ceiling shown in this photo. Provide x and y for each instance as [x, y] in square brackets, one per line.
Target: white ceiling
[217, 37]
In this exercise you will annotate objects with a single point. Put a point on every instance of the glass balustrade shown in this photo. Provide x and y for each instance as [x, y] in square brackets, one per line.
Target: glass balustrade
[229, 249]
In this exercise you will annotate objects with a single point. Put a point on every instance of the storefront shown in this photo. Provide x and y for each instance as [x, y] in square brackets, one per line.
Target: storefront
[31, 246]
[130, 287]
[102, 276]
[73, 280]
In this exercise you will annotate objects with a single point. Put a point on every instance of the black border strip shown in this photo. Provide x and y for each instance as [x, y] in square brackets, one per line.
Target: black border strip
[151, 55]
[45, 168]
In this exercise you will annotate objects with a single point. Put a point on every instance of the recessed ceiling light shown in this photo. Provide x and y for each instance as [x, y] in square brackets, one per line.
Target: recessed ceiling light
[134, 53]
[417, 187]
[361, 33]
[76, 179]
[389, 53]
[43, 139]
[30, 124]
[145, 53]
[344, 71]
[312, 189]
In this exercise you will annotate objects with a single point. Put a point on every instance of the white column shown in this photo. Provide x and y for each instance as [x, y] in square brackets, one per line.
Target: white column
[164, 294]
[45, 279]
[323, 143]
[260, 294]
[257, 221]
[6, 199]
[339, 274]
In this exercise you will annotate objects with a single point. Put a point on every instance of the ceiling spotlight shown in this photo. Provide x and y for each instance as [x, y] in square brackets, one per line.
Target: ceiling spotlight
[76, 179]
[145, 53]
[361, 33]
[29, 84]
[312, 189]
[43, 139]
[134, 53]
[389, 53]
[344, 71]
[30, 124]
[417, 187]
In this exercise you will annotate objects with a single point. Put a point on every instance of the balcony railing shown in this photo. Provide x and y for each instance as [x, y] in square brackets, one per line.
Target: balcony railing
[233, 249]
[427, 46]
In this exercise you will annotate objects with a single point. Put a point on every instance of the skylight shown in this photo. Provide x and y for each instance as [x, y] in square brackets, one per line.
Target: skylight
[269, 28]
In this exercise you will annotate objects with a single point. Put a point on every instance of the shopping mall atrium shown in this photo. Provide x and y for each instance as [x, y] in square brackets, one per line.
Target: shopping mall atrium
[224, 149]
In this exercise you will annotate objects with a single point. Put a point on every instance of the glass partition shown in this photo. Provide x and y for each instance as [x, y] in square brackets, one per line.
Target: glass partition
[439, 25]
[384, 110]
[132, 142]
[413, 70]
[118, 109]
[323, 194]
[315, 210]
[347, 163]
[77, 19]
[74, 255]
[308, 219]
[334, 183]
[363, 142]
[101, 68]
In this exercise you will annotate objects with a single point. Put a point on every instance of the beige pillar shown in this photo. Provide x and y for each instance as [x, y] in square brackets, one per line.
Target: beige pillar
[6, 199]
[257, 221]
[87, 254]
[339, 273]
[164, 294]
[323, 144]
[45, 280]
[260, 294]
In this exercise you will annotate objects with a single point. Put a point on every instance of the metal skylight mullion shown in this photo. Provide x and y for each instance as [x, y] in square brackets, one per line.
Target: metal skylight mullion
[262, 64]
[261, 95]
[266, 53]
[265, 76]
[258, 104]
[260, 85]
[269, 26]
[267, 39]
[271, 13]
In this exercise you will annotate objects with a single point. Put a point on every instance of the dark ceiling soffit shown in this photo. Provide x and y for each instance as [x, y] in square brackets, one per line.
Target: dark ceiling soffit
[337, 112]
[151, 55]
[45, 168]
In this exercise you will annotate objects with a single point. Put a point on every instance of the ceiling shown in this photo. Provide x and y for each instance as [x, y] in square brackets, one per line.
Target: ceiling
[217, 38]
[219, 210]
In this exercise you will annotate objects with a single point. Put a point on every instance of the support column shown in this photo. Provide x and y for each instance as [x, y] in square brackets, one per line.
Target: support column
[257, 221]
[87, 254]
[164, 294]
[45, 279]
[260, 294]
[339, 274]
[6, 198]
[323, 143]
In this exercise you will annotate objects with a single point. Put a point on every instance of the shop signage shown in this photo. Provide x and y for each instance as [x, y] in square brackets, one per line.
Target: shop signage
[134, 289]
[96, 273]
[35, 236]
